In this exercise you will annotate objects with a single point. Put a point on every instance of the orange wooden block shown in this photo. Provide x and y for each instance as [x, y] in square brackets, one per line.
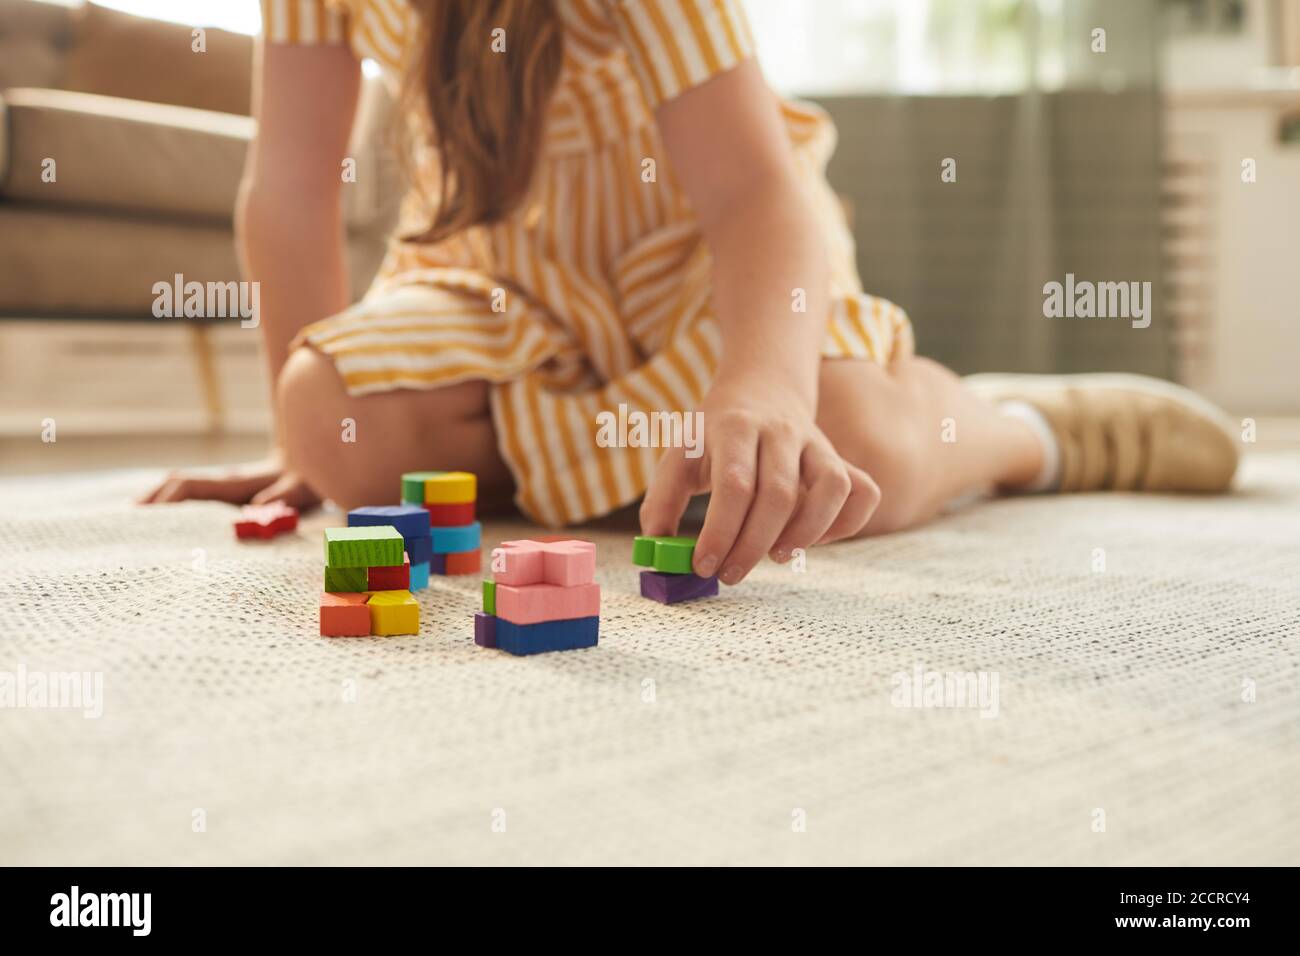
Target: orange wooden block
[464, 562]
[344, 614]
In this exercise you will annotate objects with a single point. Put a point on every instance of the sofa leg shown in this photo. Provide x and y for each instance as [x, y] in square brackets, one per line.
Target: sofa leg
[201, 338]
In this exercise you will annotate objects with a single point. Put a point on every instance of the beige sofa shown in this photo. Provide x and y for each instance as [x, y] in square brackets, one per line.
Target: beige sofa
[147, 140]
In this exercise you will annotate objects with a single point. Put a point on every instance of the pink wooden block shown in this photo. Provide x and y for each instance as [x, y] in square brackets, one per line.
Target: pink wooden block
[569, 563]
[564, 563]
[534, 603]
[517, 563]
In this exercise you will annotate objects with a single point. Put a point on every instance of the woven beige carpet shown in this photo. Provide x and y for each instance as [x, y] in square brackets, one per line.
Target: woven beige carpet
[1127, 636]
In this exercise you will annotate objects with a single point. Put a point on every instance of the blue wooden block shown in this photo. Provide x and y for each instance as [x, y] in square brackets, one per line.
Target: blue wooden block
[420, 548]
[521, 639]
[411, 521]
[453, 540]
[419, 575]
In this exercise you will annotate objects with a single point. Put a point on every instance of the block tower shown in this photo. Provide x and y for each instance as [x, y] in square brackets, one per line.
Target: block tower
[669, 579]
[449, 498]
[412, 523]
[367, 578]
[541, 597]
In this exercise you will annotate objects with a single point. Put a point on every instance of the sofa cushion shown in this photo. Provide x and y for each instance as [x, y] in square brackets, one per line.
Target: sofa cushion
[76, 263]
[122, 154]
[151, 158]
[33, 39]
[116, 54]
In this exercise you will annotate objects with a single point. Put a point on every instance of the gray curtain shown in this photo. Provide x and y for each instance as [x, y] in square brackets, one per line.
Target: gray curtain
[1047, 183]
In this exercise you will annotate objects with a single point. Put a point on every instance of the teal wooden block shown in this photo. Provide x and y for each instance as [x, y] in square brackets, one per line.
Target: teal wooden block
[345, 579]
[671, 555]
[366, 547]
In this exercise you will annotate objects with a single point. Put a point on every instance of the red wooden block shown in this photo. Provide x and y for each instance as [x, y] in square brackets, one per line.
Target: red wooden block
[396, 577]
[344, 614]
[464, 562]
[451, 516]
[266, 521]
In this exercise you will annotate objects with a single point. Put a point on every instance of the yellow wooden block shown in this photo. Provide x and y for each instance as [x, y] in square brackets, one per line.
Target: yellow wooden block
[450, 488]
[393, 612]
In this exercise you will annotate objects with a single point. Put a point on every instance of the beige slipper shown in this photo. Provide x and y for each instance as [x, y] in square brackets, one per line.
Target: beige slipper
[1126, 432]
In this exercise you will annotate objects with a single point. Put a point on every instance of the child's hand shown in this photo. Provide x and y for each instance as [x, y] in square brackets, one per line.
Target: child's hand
[259, 483]
[777, 483]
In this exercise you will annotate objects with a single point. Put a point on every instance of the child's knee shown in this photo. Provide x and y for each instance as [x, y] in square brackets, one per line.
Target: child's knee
[309, 399]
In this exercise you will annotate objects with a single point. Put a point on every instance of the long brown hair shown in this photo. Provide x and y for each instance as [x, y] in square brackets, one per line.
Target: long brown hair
[484, 107]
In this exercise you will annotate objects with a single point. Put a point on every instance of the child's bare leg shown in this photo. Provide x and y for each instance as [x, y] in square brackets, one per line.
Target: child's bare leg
[922, 435]
[395, 432]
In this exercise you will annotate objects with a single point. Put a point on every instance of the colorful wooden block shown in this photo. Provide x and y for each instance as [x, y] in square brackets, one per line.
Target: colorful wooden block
[411, 521]
[490, 597]
[451, 515]
[393, 612]
[396, 577]
[450, 488]
[266, 521]
[671, 555]
[485, 630]
[363, 547]
[545, 636]
[413, 486]
[419, 549]
[344, 615]
[546, 602]
[675, 588]
[565, 562]
[466, 537]
[346, 579]
[420, 576]
[437, 564]
[464, 562]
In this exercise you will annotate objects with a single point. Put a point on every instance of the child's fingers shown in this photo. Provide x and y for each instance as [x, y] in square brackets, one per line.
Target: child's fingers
[829, 486]
[775, 500]
[861, 503]
[733, 456]
[674, 480]
[289, 489]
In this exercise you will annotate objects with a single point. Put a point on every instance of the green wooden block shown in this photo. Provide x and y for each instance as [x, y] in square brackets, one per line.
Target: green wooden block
[413, 486]
[345, 579]
[363, 547]
[671, 555]
[489, 597]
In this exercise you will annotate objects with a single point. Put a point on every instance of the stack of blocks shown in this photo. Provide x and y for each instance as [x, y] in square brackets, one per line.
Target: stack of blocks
[412, 523]
[367, 583]
[541, 597]
[670, 579]
[448, 498]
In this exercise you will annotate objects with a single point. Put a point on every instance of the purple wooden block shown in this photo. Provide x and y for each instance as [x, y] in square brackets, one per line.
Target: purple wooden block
[485, 629]
[675, 588]
[438, 564]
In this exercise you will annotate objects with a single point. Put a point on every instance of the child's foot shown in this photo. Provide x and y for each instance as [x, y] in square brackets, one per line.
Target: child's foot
[1125, 432]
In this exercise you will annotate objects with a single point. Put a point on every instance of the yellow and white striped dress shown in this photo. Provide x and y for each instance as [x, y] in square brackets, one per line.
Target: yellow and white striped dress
[606, 277]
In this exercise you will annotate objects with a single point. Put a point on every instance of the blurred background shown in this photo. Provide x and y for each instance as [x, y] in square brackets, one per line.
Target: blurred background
[1115, 156]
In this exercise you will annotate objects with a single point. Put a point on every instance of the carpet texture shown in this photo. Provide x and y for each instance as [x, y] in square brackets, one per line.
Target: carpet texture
[1127, 637]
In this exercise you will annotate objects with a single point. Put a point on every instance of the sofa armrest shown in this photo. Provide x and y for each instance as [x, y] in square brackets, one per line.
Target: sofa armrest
[150, 158]
[121, 154]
